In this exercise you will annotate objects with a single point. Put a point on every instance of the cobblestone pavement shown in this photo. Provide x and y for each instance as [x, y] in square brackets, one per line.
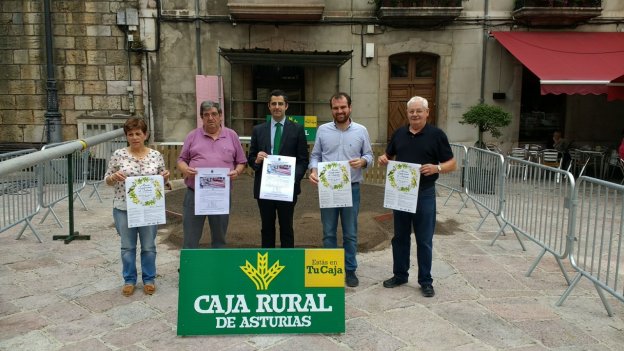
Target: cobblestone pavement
[67, 297]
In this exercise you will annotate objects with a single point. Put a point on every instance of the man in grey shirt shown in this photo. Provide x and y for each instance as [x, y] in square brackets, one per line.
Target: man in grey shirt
[342, 140]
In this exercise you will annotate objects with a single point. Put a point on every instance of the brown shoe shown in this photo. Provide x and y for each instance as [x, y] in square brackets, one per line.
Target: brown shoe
[127, 290]
[149, 289]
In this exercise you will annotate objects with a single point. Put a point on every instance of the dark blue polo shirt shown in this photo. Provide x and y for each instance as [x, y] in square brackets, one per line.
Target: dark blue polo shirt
[430, 145]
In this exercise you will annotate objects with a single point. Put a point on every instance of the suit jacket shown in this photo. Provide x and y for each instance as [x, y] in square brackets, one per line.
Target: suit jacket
[294, 144]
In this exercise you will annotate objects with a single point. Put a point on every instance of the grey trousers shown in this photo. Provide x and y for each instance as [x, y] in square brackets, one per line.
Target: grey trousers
[193, 225]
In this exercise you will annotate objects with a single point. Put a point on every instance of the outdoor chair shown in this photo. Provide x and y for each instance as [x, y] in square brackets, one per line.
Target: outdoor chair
[578, 162]
[552, 158]
[613, 163]
[590, 159]
[493, 147]
[521, 154]
[518, 152]
[533, 152]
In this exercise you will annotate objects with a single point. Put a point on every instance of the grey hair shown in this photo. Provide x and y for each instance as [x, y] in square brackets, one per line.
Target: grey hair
[420, 99]
[206, 105]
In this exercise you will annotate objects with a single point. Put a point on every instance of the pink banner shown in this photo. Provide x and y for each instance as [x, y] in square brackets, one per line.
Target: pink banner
[208, 88]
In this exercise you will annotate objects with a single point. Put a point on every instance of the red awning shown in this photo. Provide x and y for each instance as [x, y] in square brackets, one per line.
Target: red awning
[568, 62]
[615, 89]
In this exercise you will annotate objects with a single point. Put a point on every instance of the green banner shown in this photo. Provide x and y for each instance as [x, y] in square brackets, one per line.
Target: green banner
[309, 125]
[267, 291]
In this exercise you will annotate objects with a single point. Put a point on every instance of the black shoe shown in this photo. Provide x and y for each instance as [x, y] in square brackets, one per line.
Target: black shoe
[427, 290]
[394, 282]
[352, 279]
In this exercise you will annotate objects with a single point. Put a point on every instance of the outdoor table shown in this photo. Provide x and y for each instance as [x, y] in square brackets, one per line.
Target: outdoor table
[596, 158]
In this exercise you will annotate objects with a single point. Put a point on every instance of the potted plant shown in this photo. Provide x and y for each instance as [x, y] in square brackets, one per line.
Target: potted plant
[487, 118]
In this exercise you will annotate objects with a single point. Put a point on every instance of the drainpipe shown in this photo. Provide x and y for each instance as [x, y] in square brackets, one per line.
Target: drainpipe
[484, 49]
[52, 115]
[130, 88]
[198, 38]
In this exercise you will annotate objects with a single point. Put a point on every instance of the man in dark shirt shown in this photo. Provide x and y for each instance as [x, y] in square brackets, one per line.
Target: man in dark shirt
[428, 146]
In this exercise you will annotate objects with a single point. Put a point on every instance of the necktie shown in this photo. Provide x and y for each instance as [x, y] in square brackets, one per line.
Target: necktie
[277, 140]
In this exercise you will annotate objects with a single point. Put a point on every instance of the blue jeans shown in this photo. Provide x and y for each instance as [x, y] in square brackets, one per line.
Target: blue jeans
[147, 236]
[348, 218]
[423, 223]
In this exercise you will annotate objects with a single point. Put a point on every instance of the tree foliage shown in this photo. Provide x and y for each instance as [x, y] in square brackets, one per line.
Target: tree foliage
[487, 118]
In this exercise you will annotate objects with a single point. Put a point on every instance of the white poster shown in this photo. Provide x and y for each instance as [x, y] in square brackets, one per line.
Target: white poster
[334, 184]
[278, 178]
[145, 199]
[402, 182]
[212, 191]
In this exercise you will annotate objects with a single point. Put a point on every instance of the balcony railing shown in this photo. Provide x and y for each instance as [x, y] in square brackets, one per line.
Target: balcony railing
[276, 11]
[418, 12]
[557, 3]
[555, 13]
[418, 3]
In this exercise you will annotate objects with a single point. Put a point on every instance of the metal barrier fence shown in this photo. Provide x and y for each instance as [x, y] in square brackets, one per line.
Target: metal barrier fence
[19, 196]
[537, 205]
[53, 178]
[483, 182]
[376, 174]
[454, 181]
[97, 162]
[14, 154]
[33, 178]
[583, 222]
[595, 238]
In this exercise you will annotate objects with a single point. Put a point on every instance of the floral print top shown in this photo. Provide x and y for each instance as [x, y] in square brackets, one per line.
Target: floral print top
[152, 164]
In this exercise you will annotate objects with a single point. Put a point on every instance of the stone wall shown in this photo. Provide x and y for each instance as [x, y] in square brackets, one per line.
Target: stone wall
[91, 65]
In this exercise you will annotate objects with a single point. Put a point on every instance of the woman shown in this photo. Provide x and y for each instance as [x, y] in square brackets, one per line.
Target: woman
[134, 160]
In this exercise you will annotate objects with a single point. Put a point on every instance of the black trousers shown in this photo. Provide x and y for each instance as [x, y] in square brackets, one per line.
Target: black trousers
[283, 211]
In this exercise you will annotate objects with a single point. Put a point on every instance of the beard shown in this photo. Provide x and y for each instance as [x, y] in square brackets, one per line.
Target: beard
[341, 118]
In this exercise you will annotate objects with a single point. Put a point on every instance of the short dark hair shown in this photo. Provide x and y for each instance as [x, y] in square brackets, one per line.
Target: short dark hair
[206, 105]
[278, 92]
[135, 123]
[340, 95]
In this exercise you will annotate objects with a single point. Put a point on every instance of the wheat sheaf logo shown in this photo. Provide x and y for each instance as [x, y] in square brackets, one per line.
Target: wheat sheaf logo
[262, 275]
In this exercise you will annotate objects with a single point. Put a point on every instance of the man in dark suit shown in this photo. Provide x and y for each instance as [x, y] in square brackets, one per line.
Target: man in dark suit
[291, 141]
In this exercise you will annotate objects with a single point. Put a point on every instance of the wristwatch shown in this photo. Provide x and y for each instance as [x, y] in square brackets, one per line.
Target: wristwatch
[439, 169]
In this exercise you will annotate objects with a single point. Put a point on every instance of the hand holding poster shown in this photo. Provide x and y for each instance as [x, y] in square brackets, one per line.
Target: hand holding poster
[278, 178]
[145, 199]
[212, 191]
[402, 182]
[334, 184]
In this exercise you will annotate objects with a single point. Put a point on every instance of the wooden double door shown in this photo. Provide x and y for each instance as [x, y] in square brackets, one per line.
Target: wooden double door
[410, 75]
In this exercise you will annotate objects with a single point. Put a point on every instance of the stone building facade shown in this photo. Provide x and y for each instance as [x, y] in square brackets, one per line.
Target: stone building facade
[256, 45]
[92, 66]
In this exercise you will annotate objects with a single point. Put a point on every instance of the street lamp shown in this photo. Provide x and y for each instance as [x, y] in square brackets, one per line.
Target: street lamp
[52, 115]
